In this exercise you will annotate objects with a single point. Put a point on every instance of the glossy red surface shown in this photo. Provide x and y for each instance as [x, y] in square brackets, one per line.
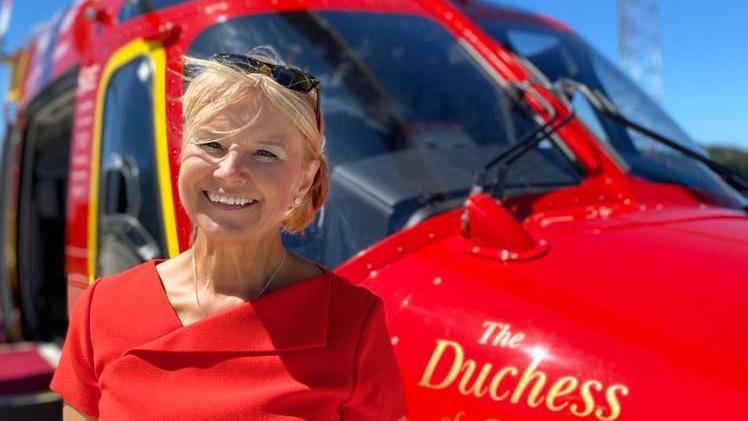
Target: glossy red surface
[645, 302]
[617, 299]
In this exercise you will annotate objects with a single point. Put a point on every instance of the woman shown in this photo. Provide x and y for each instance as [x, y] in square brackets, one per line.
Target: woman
[236, 327]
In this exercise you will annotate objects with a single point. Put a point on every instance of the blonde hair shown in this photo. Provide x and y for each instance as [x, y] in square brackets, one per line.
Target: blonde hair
[213, 86]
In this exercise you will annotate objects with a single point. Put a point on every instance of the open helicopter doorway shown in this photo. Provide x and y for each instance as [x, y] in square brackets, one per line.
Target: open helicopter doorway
[41, 212]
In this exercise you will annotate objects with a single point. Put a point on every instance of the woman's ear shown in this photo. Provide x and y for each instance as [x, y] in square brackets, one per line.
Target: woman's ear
[307, 179]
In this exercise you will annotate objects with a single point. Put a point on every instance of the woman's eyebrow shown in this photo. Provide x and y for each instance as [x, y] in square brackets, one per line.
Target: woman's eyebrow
[212, 131]
[272, 141]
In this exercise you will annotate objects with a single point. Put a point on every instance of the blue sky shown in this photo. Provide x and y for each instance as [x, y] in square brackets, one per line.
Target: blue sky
[705, 57]
[704, 52]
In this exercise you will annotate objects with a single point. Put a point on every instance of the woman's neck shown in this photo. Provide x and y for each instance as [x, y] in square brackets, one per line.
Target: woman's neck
[239, 270]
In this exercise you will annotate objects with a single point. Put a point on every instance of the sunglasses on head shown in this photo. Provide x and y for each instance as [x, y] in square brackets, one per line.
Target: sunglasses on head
[289, 77]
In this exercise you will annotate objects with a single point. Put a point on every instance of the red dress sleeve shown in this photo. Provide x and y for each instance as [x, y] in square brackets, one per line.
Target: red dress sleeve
[378, 392]
[75, 379]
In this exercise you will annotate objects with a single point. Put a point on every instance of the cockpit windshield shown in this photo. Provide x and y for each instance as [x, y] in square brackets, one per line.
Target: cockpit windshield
[558, 55]
[411, 115]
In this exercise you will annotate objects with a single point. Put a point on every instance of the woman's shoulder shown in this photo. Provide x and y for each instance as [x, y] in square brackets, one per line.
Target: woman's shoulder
[127, 300]
[343, 292]
[352, 299]
[121, 310]
[121, 286]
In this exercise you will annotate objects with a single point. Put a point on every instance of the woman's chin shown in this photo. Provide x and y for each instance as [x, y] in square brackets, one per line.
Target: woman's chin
[224, 231]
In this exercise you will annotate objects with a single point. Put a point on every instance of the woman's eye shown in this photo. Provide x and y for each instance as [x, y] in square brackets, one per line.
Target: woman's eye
[211, 145]
[266, 154]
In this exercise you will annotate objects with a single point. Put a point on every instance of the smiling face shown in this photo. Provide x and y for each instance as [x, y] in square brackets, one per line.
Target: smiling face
[238, 187]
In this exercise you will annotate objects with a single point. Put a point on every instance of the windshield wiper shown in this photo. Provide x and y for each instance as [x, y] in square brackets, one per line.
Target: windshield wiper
[525, 144]
[603, 105]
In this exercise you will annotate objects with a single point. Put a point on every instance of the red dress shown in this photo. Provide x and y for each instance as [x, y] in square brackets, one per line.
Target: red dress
[314, 350]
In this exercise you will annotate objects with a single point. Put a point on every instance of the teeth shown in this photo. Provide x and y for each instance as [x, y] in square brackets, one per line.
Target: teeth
[219, 198]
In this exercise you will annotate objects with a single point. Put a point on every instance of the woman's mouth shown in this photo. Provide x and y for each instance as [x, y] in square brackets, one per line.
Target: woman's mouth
[227, 202]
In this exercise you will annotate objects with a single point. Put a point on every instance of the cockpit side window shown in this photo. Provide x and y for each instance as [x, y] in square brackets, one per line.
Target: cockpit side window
[130, 227]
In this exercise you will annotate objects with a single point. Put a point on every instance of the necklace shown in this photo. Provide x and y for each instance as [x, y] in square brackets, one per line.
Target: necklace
[264, 287]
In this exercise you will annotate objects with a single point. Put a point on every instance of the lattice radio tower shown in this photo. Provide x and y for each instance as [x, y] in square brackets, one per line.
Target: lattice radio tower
[639, 52]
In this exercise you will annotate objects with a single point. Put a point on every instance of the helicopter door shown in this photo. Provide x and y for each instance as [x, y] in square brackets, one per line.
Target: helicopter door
[41, 212]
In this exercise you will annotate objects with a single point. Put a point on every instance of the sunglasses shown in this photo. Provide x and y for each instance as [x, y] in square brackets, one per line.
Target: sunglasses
[289, 77]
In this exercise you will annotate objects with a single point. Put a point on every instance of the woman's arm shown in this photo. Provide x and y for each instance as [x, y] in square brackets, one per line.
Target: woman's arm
[69, 413]
[378, 392]
[74, 378]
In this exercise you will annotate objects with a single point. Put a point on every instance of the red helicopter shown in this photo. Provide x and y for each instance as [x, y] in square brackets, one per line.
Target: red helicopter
[548, 242]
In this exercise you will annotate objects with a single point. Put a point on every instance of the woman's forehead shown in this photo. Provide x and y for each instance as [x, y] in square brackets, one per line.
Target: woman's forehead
[250, 117]
[239, 114]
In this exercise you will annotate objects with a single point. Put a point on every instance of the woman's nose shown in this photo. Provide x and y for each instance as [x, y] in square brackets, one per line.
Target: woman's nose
[229, 169]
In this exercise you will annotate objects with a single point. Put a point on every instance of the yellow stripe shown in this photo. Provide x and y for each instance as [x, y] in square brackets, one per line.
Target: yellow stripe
[18, 66]
[121, 57]
[162, 152]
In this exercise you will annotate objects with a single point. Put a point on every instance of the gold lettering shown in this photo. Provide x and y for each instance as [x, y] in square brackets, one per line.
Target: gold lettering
[449, 357]
[477, 389]
[516, 339]
[441, 346]
[563, 386]
[615, 405]
[490, 326]
[503, 336]
[493, 388]
[589, 400]
[528, 376]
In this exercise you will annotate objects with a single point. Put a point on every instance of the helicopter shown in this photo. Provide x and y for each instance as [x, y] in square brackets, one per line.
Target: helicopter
[548, 243]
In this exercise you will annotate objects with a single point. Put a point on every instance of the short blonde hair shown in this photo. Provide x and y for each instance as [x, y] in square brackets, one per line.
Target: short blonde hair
[213, 86]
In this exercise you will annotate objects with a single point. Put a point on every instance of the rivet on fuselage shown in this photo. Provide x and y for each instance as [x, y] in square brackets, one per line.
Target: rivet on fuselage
[642, 207]
[504, 255]
[373, 274]
[476, 250]
[659, 206]
[437, 280]
[368, 266]
[596, 231]
[432, 235]
[400, 249]
[394, 340]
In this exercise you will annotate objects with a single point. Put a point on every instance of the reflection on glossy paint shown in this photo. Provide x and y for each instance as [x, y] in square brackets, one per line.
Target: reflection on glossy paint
[538, 353]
